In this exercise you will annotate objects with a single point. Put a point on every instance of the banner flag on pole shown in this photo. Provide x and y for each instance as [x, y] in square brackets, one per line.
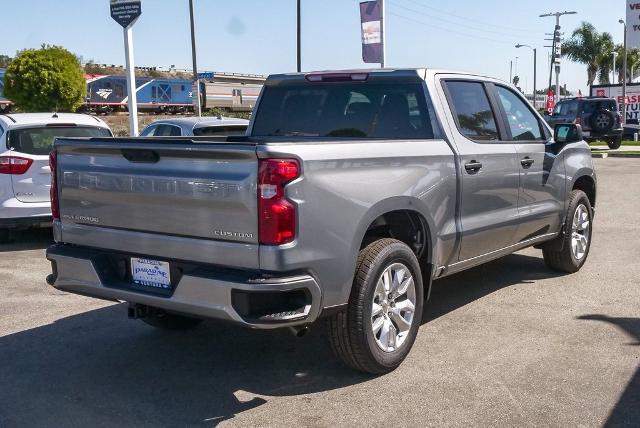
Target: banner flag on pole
[370, 18]
[550, 102]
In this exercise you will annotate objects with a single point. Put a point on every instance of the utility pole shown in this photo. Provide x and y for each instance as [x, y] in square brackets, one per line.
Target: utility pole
[556, 48]
[196, 79]
[383, 54]
[613, 76]
[299, 39]
[624, 74]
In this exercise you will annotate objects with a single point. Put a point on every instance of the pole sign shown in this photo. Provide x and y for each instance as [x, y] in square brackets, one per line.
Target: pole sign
[550, 103]
[633, 24]
[371, 23]
[126, 12]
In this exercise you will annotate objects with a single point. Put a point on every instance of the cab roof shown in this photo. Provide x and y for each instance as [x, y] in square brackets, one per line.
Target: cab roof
[375, 73]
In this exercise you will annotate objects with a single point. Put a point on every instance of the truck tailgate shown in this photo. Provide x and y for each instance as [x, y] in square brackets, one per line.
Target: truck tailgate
[174, 198]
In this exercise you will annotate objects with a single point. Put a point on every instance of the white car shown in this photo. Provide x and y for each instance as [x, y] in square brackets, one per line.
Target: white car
[25, 142]
[196, 126]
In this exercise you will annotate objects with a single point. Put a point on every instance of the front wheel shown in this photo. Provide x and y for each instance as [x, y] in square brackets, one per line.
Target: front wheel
[377, 330]
[576, 241]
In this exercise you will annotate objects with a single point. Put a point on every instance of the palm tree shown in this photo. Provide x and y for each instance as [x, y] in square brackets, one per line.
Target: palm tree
[633, 55]
[589, 47]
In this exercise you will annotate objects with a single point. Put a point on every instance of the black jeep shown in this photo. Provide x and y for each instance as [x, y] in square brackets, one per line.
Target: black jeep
[598, 116]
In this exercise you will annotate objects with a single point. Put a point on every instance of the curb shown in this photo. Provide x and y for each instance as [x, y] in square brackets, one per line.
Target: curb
[615, 155]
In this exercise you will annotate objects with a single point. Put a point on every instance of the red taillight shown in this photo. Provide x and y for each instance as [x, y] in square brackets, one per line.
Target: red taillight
[53, 190]
[14, 165]
[277, 215]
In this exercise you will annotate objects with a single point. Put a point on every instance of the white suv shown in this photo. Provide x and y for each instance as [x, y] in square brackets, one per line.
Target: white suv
[25, 142]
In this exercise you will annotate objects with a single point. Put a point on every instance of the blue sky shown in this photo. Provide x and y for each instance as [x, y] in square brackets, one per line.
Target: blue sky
[258, 36]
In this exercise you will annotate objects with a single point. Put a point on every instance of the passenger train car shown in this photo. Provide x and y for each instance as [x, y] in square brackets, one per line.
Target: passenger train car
[231, 91]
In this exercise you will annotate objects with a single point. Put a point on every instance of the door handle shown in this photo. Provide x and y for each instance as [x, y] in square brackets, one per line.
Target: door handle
[526, 162]
[472, 167]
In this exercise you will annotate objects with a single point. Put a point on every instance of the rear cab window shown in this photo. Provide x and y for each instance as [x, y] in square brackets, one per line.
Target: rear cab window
[363, 109]
[38, 140]
[472, 110]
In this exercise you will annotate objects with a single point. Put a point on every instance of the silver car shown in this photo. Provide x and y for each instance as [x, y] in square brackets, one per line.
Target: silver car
[196, 126]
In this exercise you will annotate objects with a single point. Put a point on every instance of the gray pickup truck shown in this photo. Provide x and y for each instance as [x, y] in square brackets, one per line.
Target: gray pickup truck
[350, 194]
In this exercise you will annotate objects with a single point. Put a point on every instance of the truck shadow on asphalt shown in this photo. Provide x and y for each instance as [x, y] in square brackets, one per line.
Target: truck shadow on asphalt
[100, 368]
[627, 411]
[34, 239]
[453, 292]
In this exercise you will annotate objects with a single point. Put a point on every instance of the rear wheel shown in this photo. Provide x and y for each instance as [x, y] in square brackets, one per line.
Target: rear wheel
[576, 240]
[377, 330]
[614, 143]
[167, 321]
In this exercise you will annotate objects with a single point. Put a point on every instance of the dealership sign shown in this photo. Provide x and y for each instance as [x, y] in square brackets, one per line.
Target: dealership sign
[633, 24]
[615, 91]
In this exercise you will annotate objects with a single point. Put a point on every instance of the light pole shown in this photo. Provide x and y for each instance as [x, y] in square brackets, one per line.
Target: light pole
[615, 54]
[298, 38]
[196, 79]
[535, 70]
[624, 73]
[556, 40]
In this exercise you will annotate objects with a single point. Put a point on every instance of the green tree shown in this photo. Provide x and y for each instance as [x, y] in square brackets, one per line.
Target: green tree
[45, 79]
[633, 57]
[4, 61]
[591, 48]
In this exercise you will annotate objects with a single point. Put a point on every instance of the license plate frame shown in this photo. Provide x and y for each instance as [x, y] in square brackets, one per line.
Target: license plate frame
[151, 274]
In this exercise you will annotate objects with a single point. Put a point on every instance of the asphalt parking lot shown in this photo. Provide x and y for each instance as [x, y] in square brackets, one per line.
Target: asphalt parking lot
[508, 343]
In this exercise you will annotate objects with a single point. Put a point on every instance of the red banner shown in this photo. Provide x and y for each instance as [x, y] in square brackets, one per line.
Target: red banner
[550, 103]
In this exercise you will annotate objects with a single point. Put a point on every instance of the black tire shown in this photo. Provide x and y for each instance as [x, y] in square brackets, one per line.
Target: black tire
[167, 321]
[614, 143]
[350, 331]
[564, 260]
[601, 121]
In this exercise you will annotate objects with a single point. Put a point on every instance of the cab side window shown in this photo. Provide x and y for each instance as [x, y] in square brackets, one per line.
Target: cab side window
[472, 109]
[523, 123]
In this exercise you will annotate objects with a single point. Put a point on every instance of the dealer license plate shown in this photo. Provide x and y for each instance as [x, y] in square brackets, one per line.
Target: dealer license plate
[150, 273]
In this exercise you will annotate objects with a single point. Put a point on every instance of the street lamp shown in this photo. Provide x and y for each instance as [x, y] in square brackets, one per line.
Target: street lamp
[534, 70]
[624, 73]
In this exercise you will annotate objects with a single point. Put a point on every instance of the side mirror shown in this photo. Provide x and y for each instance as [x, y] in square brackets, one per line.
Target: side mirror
[567, 133]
